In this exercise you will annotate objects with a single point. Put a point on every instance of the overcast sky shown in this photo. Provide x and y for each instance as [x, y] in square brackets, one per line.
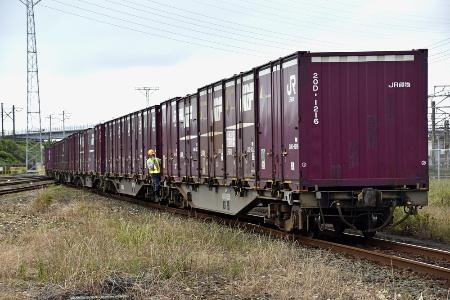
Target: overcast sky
[93, 53]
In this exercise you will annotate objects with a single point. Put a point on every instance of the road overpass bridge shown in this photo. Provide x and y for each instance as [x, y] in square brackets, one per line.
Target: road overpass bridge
[55, 134]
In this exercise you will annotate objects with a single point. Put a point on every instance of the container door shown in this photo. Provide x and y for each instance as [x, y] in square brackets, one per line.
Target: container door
[81, 142]
[187, 134]
[155, 143]
[217, 133]
[247, 127]
[203, 130]
[165, 137]
[290, 121]
[174, 138]
[265, 124]
[277, 122]
[230, 129]
[211, 149]
[182, 136]
[194, 140]
[133, 147]
[140, 145]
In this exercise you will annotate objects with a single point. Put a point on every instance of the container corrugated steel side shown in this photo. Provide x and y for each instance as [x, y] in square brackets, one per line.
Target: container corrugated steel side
[100, 157]
[217, 155]
[203, 132]
[193, 144]
[364, 119]
[90, 150]
[183, 135]
[230, 107]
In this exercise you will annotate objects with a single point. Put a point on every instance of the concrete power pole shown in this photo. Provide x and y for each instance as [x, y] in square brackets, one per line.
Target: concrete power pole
[433, 130]
[33, 158]
[3, 124]
[65, 116]
[12, 115]
[147, 91]
[50, 128]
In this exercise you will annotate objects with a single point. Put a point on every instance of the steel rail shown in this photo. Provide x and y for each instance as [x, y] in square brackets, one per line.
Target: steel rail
[427, 252]
[21, 187]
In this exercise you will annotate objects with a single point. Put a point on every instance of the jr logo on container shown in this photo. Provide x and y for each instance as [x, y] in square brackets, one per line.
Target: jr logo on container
[290, 88]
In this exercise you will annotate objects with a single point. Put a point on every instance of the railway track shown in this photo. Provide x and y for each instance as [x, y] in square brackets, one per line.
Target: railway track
[15, 184]
[430, 262]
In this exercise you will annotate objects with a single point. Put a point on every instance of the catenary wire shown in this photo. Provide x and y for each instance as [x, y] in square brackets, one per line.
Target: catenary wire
[155, 28]
[203, 23]
[275, 33]
[178, 26]
[332, 17]
[146, 32]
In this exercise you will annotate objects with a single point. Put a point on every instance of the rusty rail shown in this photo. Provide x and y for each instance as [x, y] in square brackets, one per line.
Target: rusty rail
[24, 185]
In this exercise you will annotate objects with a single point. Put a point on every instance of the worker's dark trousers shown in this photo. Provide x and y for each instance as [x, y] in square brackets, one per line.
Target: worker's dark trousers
[156, 179]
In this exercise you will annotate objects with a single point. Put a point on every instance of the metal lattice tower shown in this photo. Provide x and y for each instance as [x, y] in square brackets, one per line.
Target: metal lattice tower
[33, 156]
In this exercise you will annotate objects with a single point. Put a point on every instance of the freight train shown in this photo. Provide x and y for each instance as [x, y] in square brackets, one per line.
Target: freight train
[314, 140]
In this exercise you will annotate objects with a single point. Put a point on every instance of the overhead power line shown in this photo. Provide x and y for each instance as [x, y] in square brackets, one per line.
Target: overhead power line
[296, 13]
[267, 31]
[179, 26]
[154, 28]
[201, 23]
[220, 47]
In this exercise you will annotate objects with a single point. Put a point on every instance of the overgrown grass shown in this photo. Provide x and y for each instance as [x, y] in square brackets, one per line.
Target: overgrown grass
[433, 221]
[46, 197]
[80, 245]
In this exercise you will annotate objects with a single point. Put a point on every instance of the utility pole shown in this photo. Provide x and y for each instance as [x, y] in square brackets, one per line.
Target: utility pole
[50, 131]
[3, 127]
[147, 91]
[65, 116]
[433, 128]
[33, 98]
[14, 120]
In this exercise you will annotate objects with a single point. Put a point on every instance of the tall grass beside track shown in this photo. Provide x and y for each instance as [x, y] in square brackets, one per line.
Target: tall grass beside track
[79, 242]
[432, 221]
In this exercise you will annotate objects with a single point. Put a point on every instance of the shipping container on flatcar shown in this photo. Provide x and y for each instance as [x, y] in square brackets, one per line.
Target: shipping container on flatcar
[152, 133]
[169, 140]
[312, 138]
[100, 156]
[363, 119]
[193, 141]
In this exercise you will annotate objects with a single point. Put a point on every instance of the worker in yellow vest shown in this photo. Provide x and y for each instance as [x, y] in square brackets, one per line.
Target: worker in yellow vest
[154, 168]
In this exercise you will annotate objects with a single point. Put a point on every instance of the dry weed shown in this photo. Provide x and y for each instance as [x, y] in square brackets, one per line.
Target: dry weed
[88, 243]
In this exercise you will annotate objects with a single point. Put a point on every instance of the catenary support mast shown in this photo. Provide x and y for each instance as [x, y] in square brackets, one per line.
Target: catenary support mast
[33, 155]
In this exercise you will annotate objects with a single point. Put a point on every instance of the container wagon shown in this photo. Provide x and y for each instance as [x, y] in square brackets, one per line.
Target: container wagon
[311, 138]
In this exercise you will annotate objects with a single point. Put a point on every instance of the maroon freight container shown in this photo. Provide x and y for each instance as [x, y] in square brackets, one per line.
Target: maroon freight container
[152, 132]
[170, 138]
[108, 147]
[183, 134]
[217, 138]
[194, 138]
[203, 132]
[127, 147]
[231, 96]
[90, 150]
[363, 119]
[117, 147]
[174, 138]
[100, 157]
[265, 120]
[246, 137]
[139, 153]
